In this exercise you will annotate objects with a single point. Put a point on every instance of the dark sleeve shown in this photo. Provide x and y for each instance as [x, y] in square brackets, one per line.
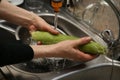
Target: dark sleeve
[14, 52]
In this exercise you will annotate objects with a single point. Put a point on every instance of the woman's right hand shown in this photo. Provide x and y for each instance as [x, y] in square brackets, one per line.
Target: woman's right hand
[65, 49]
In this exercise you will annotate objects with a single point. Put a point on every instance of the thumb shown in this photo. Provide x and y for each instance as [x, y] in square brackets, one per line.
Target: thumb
[82, 41]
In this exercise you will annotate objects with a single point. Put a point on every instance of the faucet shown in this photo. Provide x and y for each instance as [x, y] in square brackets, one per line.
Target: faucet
[56, 4]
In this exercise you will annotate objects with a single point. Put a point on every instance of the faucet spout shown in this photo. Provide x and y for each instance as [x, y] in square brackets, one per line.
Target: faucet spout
[56, 4]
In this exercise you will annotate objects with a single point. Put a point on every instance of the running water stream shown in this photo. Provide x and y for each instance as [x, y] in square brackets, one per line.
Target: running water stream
[56, 20]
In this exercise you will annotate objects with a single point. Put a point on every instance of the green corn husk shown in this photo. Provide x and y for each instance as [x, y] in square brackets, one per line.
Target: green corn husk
[47, 38]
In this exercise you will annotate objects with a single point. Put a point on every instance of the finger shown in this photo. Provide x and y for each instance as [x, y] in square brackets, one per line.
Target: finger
[49, 28]
[41, 24]
[32, 28]
[82, 41]
[86, 57]
[39, 43]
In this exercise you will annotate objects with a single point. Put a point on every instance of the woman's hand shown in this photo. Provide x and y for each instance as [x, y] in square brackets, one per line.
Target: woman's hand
[27, 19]
[65, 49]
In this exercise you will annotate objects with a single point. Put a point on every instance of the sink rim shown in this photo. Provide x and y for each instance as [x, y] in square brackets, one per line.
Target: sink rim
[87, 68]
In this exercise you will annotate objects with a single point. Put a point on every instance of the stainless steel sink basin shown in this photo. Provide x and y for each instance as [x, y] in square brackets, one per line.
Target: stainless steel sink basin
[98, 72]
[70, 72]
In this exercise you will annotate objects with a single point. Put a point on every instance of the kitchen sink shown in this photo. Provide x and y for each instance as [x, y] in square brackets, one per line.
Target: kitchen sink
[43, 67]
[96, 69]
[104, 71]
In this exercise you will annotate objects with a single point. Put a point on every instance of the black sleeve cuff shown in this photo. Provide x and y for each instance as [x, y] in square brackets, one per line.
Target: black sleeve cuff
[15, 52]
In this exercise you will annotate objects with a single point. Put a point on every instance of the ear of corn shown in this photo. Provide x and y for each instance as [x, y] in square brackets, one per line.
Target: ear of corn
[47, 38]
